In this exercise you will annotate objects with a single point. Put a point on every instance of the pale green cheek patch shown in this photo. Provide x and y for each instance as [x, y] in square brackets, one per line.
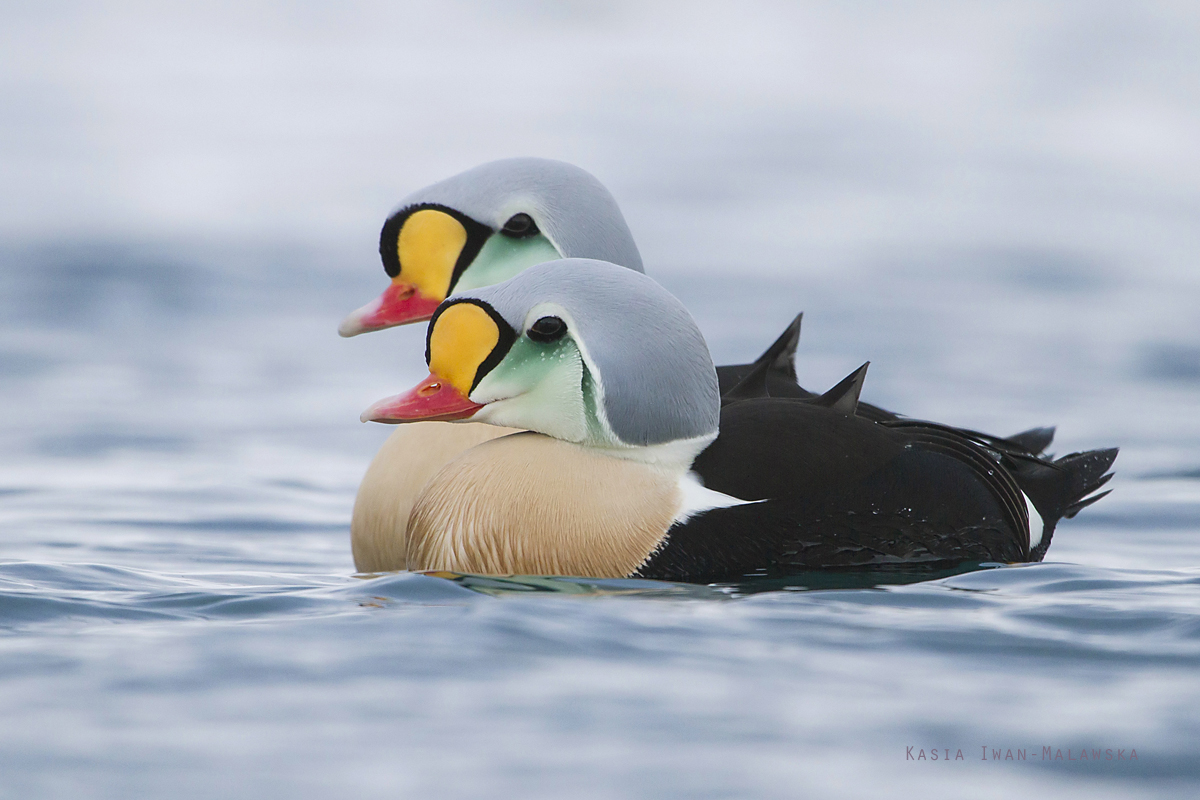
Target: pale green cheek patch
[503, 257]
[539, 388]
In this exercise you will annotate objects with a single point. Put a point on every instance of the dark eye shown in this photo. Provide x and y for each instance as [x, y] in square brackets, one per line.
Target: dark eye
[547, 329]
[520, 226]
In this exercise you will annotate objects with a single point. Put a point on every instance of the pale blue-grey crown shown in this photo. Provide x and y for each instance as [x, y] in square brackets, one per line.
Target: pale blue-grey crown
[654, 367]
[571, 208]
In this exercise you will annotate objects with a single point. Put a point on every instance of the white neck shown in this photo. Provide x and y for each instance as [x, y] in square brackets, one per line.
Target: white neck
[676, 456]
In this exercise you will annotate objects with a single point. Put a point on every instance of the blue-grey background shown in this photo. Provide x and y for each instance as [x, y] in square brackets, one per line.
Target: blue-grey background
[998, 204]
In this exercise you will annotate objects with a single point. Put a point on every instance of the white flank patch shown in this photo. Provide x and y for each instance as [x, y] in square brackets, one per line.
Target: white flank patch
[1035, 523]
[696, 499]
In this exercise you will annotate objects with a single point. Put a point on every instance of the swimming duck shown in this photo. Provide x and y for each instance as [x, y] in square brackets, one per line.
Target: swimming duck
[629, 465]
[476, 229]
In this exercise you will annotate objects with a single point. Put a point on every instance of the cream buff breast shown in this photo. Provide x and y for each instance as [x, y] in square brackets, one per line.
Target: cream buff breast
[600, 475]
[630, 464]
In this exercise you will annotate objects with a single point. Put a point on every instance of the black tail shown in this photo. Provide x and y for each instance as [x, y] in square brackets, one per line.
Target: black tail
[1061, 488]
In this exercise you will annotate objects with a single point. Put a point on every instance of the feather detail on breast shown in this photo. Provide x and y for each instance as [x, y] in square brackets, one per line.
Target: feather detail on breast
[401, 468]
[528, 504]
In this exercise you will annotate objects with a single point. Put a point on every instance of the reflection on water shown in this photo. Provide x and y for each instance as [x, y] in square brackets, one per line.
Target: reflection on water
[497, 586]
[849, 579]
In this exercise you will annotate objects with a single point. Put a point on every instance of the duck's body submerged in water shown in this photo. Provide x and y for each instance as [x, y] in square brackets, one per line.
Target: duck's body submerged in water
[479, 228]
[631, 466]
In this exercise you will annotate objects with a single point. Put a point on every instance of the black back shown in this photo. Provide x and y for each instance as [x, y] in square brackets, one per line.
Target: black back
[836, 490]
[839, 491]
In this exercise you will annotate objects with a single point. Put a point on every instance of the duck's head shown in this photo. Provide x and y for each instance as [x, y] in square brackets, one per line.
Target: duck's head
[484, 226]
[576, 349]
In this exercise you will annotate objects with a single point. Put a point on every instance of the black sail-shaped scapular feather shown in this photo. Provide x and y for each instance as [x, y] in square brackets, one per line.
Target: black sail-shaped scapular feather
[773, 374]
[844, 396]
[781, 355]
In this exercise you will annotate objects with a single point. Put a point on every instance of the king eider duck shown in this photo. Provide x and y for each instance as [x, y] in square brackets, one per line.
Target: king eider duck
[479, 228]
[629, 466]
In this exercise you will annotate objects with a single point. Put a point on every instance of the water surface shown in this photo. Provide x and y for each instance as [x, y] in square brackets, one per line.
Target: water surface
[996, 207]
